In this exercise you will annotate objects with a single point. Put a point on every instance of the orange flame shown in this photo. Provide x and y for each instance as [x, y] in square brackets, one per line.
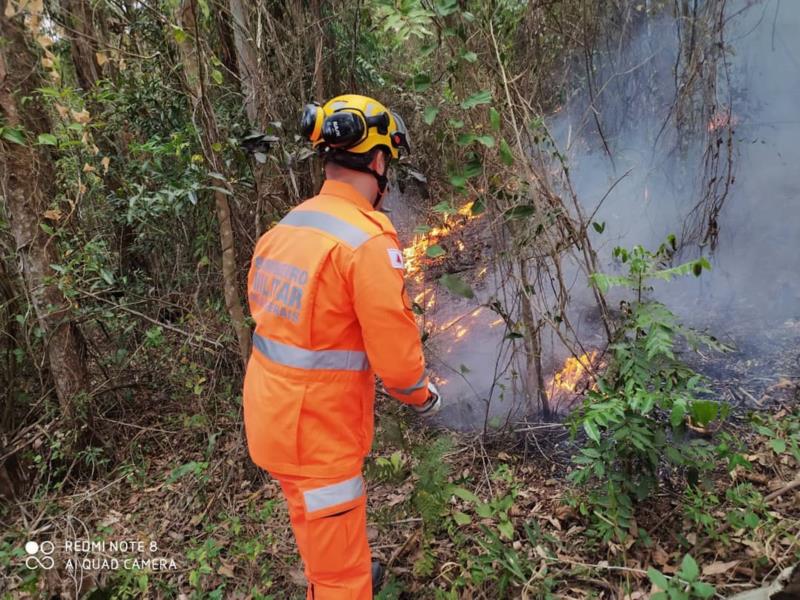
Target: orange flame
[415, 252]
[576, 371]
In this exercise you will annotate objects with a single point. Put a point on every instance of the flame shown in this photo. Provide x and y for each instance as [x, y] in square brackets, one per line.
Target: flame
[415, 252]
[576, 371]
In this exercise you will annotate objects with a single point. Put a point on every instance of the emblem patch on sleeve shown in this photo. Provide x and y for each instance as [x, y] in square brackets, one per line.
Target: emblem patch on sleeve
[396, 258]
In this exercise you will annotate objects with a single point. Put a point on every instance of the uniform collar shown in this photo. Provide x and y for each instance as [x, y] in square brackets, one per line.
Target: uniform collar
[346, 191]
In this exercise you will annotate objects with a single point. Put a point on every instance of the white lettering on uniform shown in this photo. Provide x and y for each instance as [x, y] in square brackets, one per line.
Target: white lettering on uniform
[396, 258]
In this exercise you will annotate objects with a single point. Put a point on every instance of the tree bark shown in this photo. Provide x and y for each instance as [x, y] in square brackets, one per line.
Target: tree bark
[26, 181]
[83, 44]
[196, 83]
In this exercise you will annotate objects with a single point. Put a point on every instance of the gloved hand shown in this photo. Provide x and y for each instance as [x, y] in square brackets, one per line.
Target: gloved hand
[432, 404]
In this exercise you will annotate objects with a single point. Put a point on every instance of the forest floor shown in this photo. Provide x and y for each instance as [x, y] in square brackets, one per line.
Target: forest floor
[450, 515]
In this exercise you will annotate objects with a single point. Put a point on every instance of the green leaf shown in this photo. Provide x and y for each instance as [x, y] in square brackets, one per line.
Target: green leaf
[461, 518]
[179, 34]
[465, 494]
[506, 529]
[599, 227]
[444, 207]
[456, 285]
[13, 135]
[657, 578]
[484, 510]
[435, 251]
[689, 569]
[470, 57]
[778, 445]
[519, 212]
[482, 97]
[703, 412]
[591, 430]
[458, 181]
[704, 590]
[107, 276]
[494, 119]
[455, 123]
[421, 82]
[465, 139]
[486, 140]
[429, 115]
[676, 416]
[423, 229]
[477, 207]
[47, 139]
[506, 156]
[216, 75]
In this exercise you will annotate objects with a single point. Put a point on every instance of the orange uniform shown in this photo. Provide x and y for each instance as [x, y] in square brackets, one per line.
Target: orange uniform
[327, 294]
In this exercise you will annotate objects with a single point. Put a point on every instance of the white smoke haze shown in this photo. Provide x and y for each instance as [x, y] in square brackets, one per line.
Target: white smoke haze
[752, 294]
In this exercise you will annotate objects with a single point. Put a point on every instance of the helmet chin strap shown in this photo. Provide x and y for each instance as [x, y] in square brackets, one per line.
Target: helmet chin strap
[383, 182]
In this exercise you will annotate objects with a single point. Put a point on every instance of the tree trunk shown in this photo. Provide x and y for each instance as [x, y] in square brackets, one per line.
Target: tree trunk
[26, 180]
[196, 83]
[83, 44]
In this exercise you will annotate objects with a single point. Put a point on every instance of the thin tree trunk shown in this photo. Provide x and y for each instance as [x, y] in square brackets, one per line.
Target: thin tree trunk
[196, 82]
[83, 44]
[533, 345]
[26, 179]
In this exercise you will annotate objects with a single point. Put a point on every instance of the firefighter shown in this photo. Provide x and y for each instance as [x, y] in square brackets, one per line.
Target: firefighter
[327, 294]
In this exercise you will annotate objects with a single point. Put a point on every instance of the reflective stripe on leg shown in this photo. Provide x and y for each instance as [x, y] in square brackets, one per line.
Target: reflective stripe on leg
[333, 498]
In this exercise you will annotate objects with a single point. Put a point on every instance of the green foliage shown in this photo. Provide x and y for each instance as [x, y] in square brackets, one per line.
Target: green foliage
[389, 470]
[457, 285]
[639, 413]
[685, 585]
[431, 493]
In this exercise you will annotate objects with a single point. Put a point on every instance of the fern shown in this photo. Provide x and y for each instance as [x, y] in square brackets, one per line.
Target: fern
[432, 490]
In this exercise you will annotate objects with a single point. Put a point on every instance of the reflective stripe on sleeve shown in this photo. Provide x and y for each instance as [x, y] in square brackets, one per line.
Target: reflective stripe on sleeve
[301, 358]
[417, 386]
[349, 234]
[333, 495]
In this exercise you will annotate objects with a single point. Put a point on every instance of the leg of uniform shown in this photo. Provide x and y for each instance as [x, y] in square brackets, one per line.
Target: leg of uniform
[329, 520]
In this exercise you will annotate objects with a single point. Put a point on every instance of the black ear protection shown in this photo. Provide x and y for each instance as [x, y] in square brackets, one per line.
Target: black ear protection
[344, 129]
[311, 121]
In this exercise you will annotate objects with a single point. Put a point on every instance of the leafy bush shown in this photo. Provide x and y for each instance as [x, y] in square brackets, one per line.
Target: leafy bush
[686, 584]
[646, 401]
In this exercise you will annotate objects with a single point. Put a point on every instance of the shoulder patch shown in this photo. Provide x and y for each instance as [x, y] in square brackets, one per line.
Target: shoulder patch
[396, 258]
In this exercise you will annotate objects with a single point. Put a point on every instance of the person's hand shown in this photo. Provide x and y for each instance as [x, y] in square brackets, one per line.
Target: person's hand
[432, 404]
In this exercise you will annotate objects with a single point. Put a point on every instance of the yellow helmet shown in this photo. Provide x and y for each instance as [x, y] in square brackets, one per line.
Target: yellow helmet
[356, 124]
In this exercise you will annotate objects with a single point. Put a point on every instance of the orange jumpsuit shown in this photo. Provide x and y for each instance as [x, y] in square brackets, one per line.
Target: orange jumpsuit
[327, 294]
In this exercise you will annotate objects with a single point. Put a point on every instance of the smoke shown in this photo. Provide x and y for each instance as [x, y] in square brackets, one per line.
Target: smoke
[657, 176]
